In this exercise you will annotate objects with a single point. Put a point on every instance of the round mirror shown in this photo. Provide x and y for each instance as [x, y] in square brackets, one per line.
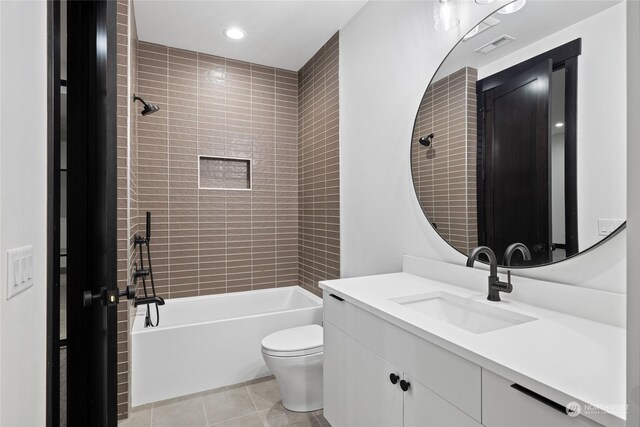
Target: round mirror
[521, 135]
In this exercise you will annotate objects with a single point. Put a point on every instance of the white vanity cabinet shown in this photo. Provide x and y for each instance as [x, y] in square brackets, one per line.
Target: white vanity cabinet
[361, 352]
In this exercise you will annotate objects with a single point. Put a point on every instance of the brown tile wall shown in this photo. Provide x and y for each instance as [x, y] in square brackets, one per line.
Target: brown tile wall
[123, 165]
[445, 173]
[318, 168]
[213, 241]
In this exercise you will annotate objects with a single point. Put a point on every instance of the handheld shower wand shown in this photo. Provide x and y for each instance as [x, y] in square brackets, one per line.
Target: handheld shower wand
[144, 272]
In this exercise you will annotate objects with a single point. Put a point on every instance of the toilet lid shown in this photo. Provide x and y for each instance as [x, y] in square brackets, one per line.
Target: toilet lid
[298, 341]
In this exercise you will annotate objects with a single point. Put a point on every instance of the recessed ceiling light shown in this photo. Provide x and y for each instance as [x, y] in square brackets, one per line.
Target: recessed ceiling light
[485, 1]
[471, 33]
[235, 33]
[559, 124]
[483, 26]
[513, 7]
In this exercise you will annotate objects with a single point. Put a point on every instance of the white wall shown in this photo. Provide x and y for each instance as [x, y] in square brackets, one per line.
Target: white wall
[633, 248]
[602, 114]
[23, 195]
[388, 54]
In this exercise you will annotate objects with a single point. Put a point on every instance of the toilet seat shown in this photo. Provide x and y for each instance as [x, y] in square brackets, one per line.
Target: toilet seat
[293, 342]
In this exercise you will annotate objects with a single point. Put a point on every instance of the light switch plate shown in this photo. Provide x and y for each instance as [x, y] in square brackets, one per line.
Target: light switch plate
[19, 270]
[608, 226]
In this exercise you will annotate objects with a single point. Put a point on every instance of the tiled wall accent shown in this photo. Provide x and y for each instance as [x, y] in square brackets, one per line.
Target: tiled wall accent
[318, 168]
[445, 173]
[127, 184]
[213, 241]
[124, 164]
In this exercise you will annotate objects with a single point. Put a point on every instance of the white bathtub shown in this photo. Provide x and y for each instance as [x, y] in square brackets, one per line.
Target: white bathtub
[212, 341]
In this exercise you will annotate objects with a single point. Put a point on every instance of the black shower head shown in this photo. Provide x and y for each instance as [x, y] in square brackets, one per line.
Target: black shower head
[147, 108]
[427, 140]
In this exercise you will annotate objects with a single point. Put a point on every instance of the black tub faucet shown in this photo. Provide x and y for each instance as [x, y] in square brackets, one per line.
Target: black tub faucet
[495, 285]
[526, 255]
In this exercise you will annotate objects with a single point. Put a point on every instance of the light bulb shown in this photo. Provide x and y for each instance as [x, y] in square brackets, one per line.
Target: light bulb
[513, 7]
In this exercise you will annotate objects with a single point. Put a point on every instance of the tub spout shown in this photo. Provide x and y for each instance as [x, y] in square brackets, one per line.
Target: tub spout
[148, 300]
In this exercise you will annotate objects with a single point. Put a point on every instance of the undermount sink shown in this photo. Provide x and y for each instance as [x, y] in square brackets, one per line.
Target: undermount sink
[467, 314]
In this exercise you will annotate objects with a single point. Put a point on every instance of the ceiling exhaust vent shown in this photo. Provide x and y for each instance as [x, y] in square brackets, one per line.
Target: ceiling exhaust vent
[499, 42]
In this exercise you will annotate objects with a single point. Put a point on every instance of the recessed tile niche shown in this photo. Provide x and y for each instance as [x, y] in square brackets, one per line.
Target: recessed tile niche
[225, 173]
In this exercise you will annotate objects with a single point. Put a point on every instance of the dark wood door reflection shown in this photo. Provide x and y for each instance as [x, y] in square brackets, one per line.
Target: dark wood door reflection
[517, 164]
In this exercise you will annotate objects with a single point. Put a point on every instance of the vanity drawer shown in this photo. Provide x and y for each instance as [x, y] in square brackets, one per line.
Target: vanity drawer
[340, 313]
[507, 406]
[450, 376]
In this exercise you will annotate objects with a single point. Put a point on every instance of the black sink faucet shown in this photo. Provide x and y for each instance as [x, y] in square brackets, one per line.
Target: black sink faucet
[526, 255]
[495, 285]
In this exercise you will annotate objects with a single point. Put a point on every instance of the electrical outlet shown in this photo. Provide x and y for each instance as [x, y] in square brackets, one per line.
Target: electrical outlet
[19, 270]
[608, 226]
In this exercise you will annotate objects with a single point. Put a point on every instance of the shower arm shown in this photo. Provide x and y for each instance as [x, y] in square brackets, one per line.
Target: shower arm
[137, 98]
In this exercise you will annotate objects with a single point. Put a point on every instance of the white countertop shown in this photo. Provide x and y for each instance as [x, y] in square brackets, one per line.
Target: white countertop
[560, 356]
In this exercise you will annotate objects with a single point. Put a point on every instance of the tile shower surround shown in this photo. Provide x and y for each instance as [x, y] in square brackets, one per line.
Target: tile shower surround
[209, 241]
[445, 173]
[127, 166]
[214, 241]
[319, 168]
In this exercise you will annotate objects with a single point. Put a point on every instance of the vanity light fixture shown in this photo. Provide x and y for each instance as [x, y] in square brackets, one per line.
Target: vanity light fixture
[513, 7]
[234, 33]
[444, 15]
[559, 124]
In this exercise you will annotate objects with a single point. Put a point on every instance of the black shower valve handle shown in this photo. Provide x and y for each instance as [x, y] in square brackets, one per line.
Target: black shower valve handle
[129, 292]
[139, 240]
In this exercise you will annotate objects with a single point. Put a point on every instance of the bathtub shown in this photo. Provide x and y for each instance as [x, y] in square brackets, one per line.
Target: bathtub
[212, 341]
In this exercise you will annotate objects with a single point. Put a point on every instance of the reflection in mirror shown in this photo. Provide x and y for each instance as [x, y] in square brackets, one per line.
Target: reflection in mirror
[520, 137]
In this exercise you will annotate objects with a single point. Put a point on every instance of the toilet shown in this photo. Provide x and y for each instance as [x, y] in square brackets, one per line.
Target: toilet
[294, 356]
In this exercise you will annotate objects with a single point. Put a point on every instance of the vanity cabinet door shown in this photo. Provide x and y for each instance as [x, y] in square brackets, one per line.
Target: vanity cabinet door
[358, 391]
[338, 376]
[424, 408]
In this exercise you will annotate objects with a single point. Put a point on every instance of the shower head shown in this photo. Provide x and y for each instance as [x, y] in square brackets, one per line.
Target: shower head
[147, 108]
[427, 140]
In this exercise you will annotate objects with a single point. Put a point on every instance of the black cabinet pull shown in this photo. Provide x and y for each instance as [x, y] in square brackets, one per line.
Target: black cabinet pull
[393, 378]
[404, 385]
[336, 297]
[544, 400]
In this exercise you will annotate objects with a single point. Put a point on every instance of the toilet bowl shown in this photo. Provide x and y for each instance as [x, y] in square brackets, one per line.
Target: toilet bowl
[294, 356]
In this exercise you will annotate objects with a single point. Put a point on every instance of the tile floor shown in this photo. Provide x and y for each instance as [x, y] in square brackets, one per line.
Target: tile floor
[252, 404]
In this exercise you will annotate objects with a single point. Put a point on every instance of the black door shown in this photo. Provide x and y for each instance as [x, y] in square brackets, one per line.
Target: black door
[517, 171]
[91, 333]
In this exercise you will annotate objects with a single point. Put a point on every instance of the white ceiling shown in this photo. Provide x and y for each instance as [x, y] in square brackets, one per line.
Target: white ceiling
[538, 19]
[282, 34]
